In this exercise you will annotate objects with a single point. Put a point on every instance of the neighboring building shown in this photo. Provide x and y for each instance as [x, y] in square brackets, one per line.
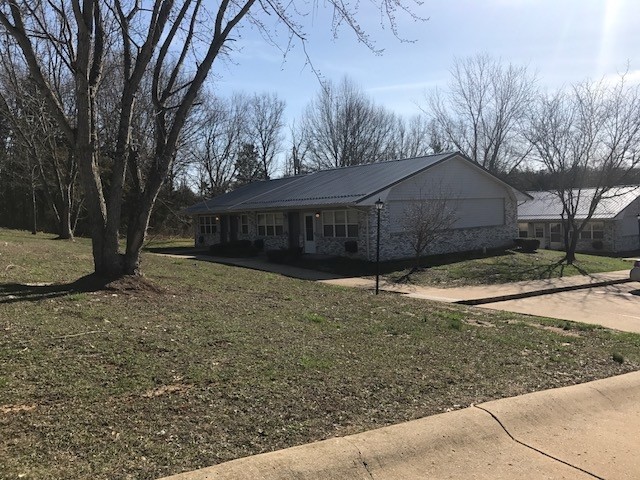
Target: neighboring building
[613, 227]
[322, 211]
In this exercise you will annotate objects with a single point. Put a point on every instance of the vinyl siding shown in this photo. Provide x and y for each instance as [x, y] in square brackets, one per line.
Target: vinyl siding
[478, 199]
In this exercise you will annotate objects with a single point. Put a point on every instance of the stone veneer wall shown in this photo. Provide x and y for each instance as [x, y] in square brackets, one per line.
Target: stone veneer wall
[335, 245]
[207, 239]
[627, 243]
[270, 242]
[608, 241]
[397, 245]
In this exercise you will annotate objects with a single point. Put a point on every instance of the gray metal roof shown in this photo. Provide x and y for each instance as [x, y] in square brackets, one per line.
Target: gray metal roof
[227, 201]
[547, 206]
[338, 186]
[347, 186]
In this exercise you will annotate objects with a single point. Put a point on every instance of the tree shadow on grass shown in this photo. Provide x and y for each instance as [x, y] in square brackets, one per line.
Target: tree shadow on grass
[543, 272]
[552, 270]
[500, 272]
[32, 292]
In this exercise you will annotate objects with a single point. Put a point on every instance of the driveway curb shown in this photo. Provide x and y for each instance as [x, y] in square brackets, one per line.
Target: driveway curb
[537, 293]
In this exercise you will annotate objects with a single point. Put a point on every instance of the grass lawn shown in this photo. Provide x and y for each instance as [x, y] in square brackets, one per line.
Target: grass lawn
[510, 266]
[217, 362]
[168, 243]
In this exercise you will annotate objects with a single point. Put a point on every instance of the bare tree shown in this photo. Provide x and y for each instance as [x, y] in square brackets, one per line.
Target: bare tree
[296, 159]
[593, 129]
[177, 42]
[414, 137]
[220, 135]
[344, 127]
[481, 112]
[264, 128]
[427, 218]
[49, 162]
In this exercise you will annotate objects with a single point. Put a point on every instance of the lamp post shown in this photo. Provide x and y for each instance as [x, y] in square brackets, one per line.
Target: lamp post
[379, 204]
[638, 217]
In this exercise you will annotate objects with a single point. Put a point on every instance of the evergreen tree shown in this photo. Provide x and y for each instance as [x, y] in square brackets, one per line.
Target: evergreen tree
[248, 167]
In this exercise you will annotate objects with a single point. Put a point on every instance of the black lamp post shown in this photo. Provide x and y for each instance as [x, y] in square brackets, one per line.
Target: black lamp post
[379, 204]
[638, 217]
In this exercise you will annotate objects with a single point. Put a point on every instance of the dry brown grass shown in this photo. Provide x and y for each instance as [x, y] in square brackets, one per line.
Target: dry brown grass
[216, 363]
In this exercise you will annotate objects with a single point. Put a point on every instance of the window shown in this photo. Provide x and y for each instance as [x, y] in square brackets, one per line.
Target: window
[340, 223]
[208, 224]
[592, 231]
[555, 232]
[270, 224]
[523, 230]
[244, 224]
[538, 230]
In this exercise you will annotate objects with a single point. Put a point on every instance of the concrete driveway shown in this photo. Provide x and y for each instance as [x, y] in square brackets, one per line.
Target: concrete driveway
[611, 306]
[606, 299]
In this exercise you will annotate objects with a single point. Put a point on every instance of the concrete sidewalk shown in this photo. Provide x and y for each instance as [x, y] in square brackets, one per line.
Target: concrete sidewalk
[258, 263]
[476, 295]
[584, 431]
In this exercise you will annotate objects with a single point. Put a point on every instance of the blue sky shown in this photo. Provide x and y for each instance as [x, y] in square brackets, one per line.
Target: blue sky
[564, 41]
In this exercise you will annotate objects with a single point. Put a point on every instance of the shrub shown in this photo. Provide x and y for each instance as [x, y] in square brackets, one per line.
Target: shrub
[216, 249]
[455, 324]
[259, 244]
[235, 248]
[597, 245]
[527, 245]
[351, 246]
[618, 358]
[284, 255]
[242, 243]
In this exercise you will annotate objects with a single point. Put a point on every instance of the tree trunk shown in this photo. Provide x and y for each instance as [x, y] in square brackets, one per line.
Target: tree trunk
[139, 221]
[34, 207]
[416, 261]
[65, 187]
[65, 230]
[107, 261]
[572, 244]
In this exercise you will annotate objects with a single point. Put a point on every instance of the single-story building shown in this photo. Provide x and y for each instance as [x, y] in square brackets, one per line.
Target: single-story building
[333, 211]
[613, 227]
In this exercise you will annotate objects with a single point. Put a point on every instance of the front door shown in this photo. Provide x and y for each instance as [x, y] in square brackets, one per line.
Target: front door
[309, 233]
[555, 236]
[294, 229]
[538, 232]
